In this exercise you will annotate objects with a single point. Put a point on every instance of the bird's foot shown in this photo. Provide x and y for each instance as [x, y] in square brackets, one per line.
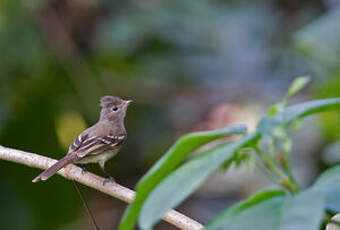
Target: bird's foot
[84, 169]
[110, 179]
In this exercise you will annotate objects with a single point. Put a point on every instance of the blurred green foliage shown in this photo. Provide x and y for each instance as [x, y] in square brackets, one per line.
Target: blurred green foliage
[167, 192]
[176, 59]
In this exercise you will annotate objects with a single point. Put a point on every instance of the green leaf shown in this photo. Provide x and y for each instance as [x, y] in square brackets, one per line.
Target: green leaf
[294, 88]
[329, 183]
[297, 85]
[243, 155]
[303, 211]
[170, 160]
[272, 110]
[332, 201]
[186, 179]
[274, 211]
[329, 177]
[261, 211]
[276, 108]
[291, 113]
[178, 153]
[303, 109]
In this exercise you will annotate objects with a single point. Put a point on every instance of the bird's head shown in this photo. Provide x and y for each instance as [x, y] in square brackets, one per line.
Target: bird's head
[113, 108]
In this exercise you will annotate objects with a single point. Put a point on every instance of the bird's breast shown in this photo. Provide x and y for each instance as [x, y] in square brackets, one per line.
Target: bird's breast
[103, 157]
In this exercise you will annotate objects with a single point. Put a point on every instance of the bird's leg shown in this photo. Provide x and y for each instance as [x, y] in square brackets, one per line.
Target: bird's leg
[108, 175]
[84, 169]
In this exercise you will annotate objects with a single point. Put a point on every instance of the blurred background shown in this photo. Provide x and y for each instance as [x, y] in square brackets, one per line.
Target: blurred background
[188, 64]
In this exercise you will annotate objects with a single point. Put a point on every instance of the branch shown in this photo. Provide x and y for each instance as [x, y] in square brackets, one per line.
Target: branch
[75, 173]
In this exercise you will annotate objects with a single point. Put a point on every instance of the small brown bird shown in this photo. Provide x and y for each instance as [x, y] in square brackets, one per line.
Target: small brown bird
[98, 143]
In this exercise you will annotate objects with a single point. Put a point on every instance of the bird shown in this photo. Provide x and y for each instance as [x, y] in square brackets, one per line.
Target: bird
[98, 143]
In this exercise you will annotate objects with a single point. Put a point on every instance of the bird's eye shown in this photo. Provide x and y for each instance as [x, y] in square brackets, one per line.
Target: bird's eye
[114, 109]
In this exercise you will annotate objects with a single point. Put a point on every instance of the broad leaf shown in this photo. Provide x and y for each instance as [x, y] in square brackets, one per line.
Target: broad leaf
[170, 161]
[307, 108]
[332, 202]
[291, 113]
[329, 177]
[261, 211]
[173, 157]
[303, 211]
[273, 211]
[329, 183]
[185, 180]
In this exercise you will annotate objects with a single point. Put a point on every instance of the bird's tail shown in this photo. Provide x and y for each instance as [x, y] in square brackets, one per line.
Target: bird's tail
[54, 168]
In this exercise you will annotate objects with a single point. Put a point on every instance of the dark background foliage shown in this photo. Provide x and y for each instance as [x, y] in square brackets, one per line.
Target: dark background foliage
[188, 65]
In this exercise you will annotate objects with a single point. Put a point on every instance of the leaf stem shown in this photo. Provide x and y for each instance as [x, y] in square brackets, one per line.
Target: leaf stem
[272, 148]
[287, 168]
[267, 172]
[286, 181]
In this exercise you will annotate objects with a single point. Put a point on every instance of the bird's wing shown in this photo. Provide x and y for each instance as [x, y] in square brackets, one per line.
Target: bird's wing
[86, 145]
[77, 143]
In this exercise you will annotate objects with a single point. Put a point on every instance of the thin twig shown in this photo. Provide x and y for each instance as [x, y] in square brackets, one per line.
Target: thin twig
[73, 172]
[87, 208]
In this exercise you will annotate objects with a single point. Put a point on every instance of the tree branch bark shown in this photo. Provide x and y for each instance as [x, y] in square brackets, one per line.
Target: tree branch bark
[73, 172]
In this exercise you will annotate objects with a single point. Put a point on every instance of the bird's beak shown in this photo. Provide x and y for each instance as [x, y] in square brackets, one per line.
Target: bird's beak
[128, 102]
